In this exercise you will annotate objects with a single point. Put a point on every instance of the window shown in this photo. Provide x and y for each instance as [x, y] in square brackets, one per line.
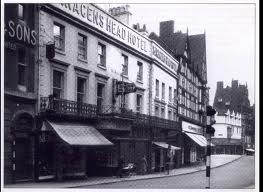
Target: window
[220, 100]
[125, 64]
[175, 96]
[58, 81]
[140, 72]
[170, 114]
[82, 47]
[157, 111]
[59, 36]
[100, 95]
[157, 87]
[81, 89]
[229, 132]
[21, 60]
[170, 94]
[21, 11]
[163, 91]
[163, 112]
[101, 54]
[139, 103]
[228, 103]
[174, 115]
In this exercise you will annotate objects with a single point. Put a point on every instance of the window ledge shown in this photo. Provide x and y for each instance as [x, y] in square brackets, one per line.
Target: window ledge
[83, 60]
[60, 52]
[102, 67]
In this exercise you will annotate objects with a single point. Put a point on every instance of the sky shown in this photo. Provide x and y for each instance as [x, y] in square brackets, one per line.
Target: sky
[230, 36]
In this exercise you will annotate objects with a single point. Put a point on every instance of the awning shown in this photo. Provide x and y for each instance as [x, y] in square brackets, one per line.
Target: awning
[75, 134]
[166, 145]
[199, 139]
[251, 150]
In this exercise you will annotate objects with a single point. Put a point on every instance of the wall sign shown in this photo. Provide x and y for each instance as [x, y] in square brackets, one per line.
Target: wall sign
[188, 127]
[97, 18]
[21, 33]
[164, 58]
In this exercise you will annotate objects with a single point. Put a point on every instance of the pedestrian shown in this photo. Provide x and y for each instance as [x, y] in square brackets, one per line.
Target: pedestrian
[120, 166]
[143, 165]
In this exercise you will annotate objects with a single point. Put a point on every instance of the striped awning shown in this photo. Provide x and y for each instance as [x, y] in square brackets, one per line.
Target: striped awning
[77, 134]
[199, 139]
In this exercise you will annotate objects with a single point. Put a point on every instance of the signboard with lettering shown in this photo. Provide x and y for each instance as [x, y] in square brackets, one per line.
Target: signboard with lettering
[102, 21]
[164, 58]
[15, 31]
[188, 127]
[124, 87]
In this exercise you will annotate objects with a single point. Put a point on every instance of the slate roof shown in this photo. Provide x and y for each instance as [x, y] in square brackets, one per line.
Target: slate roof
[156, 38]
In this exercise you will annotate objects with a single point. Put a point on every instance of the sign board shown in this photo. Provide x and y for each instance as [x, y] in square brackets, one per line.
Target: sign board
[105, 23]
[21, 33]
[125, 87]
[189, 127]
[164, 58]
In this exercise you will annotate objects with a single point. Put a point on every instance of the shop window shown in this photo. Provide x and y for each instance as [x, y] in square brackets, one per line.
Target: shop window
[124, 64]
[101, 55]
[157, 87]
[100, 95]
[58, 84]
[140, 71]
[21, 11]
[82, 47]
[139, 103]
[21, 61]
[59, 36]
[81, 89]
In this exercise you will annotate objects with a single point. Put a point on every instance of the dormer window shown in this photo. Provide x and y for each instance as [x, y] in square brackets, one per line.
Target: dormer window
[220, 100]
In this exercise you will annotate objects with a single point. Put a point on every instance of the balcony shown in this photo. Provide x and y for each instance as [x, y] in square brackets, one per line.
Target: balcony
[53, 106]
[66, 108]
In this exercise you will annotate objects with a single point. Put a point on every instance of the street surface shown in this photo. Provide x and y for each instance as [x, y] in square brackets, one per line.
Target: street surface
[236, 175]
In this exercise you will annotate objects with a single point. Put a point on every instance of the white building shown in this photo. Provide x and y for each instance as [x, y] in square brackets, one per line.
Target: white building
[228, 132]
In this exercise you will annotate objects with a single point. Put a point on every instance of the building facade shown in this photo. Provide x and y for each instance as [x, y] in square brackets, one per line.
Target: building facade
[20, 91]
[190, 51]
[86, 93]
[228, 133]
[235, 98]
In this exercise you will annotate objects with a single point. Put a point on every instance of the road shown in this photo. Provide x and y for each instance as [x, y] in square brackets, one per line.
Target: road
[236, 175]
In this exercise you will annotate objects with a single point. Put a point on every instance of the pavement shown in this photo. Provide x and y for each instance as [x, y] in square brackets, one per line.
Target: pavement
[216, 161]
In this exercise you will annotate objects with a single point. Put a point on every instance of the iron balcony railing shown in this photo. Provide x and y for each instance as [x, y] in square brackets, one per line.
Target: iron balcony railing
[67, 107]
[63, 106]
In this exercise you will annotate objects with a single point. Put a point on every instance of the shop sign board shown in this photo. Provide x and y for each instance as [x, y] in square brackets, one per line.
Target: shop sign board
[189, 127]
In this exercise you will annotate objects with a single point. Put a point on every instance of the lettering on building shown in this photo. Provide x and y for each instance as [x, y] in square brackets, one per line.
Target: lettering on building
[22, 33]
[105, 23]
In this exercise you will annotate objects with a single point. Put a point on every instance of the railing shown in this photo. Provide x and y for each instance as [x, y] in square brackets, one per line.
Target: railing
[62, 106]
[67, 107]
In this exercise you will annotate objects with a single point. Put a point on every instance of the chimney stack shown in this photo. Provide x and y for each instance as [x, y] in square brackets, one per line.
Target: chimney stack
[166, 28]
[122, 14]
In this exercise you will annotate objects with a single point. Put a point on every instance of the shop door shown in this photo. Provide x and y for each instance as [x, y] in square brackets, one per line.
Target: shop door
[23, 159]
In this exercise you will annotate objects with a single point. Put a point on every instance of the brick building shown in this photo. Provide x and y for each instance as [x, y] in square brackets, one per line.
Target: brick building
[20, 91]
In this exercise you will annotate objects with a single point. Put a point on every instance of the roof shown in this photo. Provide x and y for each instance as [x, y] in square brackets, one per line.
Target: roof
[198, 51]
[236, 96]
[156, 38]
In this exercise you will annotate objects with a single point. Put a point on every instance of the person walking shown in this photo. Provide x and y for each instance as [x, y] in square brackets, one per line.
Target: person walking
[143, 165]
[120, 166]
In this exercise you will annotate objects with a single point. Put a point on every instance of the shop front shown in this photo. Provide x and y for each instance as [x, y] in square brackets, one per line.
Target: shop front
[194, 143]
[63, 149]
